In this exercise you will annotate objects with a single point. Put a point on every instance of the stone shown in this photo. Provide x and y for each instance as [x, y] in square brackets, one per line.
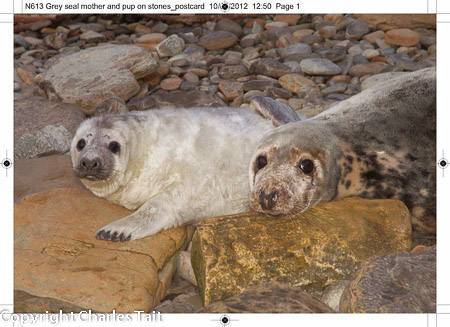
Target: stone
[356, 30]
[296, 103]
[311, 39]
[198, 71]
[370, 53]
[249, 40]
[26, 75]
[298, 34]
[228, 25]
[40, 174]
[371, 37]
[333, 293]
[195, 52]
[274, 33]
[187, 86]
[217, 40]
[191, 78]
[290, 19]
[337, 96]
[402, 36]
[269, 67]
[355, 50]
[159, 27]
[277, 92]
[171, 83]
[151, 38]
[171, 46]
[293, 49]
[260, 85]
[335, 55]
[37, 25]
[56, 40]
[397, 283]
[56, 255]
[33, 41]
[388, 22]
[360, 59]
[270, 25]
[372, 68]
[230, 89]
[184, 267]
[111, 106]
[341, 79]
[248, 96]
[312, 250]
[92, 37]
[272, 297]
[408, 65]
[27, 303]
[293, 82]
[428, 40]
[38, 123]
[141, 29]
[379, 78]
[233, 72]
[92, 27]
[327, 32]
[180, 60]
[335, 88]
[175, 307]
[319, 66]
[89, 77]
[176, 99]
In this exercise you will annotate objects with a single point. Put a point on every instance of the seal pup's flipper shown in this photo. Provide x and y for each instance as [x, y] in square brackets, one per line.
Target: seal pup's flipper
[277, 112]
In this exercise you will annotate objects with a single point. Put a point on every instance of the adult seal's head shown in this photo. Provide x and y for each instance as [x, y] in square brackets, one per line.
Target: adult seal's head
[379, 144]
[287, 176]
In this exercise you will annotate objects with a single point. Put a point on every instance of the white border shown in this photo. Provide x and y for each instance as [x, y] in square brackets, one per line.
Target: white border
[383, 6]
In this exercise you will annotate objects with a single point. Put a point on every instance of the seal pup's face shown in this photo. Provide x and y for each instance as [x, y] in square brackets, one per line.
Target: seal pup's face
[97, 152]
[286, 174]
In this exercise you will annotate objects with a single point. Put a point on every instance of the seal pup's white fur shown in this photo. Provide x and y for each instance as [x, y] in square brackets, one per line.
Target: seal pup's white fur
[176, 165]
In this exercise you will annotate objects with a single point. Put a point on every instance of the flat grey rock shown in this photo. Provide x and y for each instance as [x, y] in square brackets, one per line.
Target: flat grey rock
[89, 77]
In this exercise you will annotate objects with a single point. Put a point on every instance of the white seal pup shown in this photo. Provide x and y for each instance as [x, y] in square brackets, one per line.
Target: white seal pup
[380, 143]
[176, 165]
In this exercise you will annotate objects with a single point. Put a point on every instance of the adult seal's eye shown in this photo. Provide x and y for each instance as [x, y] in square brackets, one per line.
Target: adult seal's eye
[114, 147]
[261, 162]
[306, 166]
[81, 144]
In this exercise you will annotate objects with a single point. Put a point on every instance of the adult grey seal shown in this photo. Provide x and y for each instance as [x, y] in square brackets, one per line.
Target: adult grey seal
[176, 165]
[380, 143]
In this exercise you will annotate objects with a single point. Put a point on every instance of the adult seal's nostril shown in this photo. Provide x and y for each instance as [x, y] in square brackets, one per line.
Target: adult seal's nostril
[272, 200]
[262, 199]
[268, 201]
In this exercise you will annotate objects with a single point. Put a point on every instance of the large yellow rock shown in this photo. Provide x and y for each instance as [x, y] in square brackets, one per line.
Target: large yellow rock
[312, 250]
[56, 255]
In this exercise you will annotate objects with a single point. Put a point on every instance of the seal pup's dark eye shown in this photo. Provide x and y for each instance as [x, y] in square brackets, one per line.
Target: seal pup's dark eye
[261, 162]
[114, 147]
[81, 144]
[306, 166]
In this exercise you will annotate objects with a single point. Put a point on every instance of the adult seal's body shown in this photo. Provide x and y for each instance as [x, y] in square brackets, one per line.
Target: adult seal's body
[380, 143]
[176, 165]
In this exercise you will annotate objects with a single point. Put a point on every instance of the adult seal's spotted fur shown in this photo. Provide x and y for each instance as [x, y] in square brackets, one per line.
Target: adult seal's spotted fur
[380, 143]
[176, 165]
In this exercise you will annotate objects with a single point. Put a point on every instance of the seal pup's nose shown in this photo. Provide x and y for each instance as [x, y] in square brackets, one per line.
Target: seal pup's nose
[91, 164]
[268, 201]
